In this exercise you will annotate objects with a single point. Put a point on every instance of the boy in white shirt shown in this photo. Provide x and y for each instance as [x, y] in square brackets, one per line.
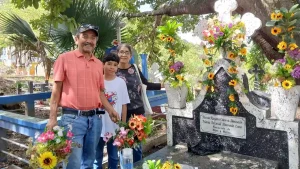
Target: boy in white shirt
[117, 95]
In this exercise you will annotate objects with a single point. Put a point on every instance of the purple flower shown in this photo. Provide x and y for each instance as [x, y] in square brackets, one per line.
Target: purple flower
[221, 33]
[295, 54]
[296, 72]
[230, 25]
[217, 29]
[282, 61]
[177, 66]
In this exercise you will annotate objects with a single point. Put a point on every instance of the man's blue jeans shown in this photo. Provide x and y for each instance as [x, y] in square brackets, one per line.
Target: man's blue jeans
[112, 154]
[86, 130]
[137, 153]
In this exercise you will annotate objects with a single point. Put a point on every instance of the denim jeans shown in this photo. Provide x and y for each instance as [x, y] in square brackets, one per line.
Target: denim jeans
[86, 130]
[137, 153]
[112, 151]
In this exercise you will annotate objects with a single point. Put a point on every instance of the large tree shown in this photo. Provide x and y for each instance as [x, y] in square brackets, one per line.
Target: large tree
[260, 8]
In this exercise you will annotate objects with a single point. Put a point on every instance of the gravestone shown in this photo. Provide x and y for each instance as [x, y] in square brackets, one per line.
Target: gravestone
[207, 126]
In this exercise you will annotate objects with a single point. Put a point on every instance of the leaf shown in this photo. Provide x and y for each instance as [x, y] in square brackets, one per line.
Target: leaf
[284, 10]
[270, 23]
[293, 8]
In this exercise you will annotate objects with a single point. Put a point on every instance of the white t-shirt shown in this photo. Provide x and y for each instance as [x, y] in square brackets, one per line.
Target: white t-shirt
[117, 95]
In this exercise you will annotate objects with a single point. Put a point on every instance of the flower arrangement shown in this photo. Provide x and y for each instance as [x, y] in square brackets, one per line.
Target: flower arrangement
[131, 134]
[284, 25]
[152, 164]
[227, 39]
[174, 71]
[51, 148]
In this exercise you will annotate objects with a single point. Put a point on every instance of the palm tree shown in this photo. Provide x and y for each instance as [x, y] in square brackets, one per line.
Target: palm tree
[89, 12]
[25, 41]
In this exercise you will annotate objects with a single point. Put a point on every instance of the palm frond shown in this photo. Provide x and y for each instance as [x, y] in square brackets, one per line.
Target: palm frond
[88, 12]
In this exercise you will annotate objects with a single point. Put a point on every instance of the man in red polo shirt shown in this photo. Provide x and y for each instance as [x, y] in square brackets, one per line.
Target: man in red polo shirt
[79, 89]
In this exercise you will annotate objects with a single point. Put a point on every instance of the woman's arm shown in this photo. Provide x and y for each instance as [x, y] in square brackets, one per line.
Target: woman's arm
[150, 86]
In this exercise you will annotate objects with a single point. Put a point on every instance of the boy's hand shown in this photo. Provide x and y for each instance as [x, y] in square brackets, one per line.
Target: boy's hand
[114, 116]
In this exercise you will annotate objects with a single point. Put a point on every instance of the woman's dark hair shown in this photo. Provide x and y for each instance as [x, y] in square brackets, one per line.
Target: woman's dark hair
[125, 45]
[111, 57]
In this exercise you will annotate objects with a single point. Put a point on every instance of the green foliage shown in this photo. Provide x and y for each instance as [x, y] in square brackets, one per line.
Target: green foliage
[256, 57]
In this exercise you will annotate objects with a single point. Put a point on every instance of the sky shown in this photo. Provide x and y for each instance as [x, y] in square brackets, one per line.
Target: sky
[186, 36]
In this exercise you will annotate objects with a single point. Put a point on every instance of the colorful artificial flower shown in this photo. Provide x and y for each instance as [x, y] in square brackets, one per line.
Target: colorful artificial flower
[177, 166]
[287, 66]
[286, 84]
[162, 37]
[231, 55]
[273, 16]
[232, 83]
[232, 70]
[47, 160]
[211, 76]
[282, 45]
[172, 70]
[296, 72]
[293, 46]
[207, 62]
[276, 30]
[233, 110]
[243, 51]
[231, 97]
[279, 16]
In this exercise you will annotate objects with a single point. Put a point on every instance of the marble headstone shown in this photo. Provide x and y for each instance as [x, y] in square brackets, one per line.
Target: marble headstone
[207, 126]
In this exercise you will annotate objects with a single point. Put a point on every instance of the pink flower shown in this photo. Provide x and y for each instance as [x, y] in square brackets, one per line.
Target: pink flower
[69, 143]
[50, 135]
[206, 33]
[42, 138]
[117, 143]
[67, 149]
[123, 132]
[70, 134]
[130, 71]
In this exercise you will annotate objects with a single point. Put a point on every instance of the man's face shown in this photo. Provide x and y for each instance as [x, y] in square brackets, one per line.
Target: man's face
[86, 41]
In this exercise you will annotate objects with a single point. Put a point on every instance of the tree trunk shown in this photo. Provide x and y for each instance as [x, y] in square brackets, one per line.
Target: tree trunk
[47, 68]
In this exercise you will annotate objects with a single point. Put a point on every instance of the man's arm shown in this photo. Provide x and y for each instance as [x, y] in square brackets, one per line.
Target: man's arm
[111, 111]
[54, 101]
[124, 112]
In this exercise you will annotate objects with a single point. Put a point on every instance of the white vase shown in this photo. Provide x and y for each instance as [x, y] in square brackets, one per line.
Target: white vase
[126, 158]
[284, 103]
[176, 96]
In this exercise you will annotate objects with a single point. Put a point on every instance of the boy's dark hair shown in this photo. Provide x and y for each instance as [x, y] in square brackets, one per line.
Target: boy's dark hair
[111, 57]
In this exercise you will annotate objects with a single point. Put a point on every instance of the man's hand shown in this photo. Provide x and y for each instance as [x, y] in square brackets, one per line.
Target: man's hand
[114, 116]
[51, 123]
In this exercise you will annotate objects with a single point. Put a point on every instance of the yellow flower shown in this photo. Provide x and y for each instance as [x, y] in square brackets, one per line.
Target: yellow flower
[243, 51]
[286, 84]
[172, 70]
[273, 16]
[231, 55]
[170, 39]
[177, 166]
[47, 160]
[241, 36]
[162, 37]
[231, 97]
[291, 28]
[179, 77]
[276, 30]
[282, 45]
[211, 76]
[232, 82]
[207, 62]
[276, 84]
[293, 46]
[205, 50]
[233, 110]
[232, 70]
[211, 88]
[279, 16]
[287, 66]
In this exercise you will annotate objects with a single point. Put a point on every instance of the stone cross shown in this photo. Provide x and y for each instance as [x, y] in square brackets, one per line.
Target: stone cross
[224, 9]
[252, 23]
[256, 71]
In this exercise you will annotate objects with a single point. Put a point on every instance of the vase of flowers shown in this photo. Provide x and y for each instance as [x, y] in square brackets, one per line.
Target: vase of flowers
[285, 71]
[130, 135]
[176, 86]
[51, 149]
[156, 164]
